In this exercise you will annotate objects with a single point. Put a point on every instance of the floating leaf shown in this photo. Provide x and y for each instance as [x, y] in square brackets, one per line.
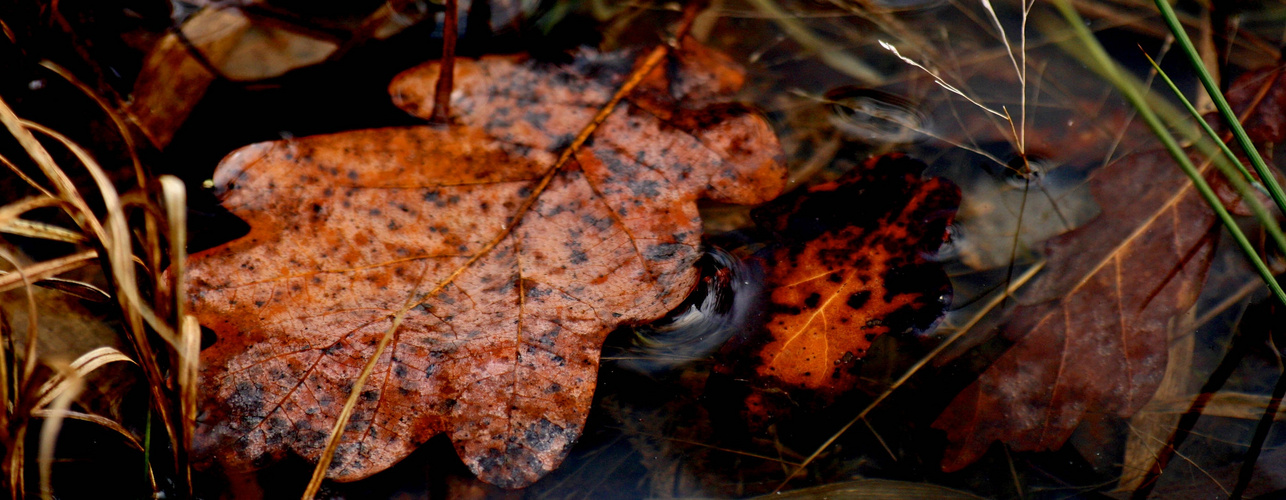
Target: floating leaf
[349, 228]
[853, 266]
[853, 261]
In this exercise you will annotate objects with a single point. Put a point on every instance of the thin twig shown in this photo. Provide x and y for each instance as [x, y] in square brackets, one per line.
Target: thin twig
[1266, 422]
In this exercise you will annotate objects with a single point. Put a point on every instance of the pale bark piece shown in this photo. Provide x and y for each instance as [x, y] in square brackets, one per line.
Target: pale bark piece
[176, 75]
[1091, 334]
[347, 228]
[173, 79]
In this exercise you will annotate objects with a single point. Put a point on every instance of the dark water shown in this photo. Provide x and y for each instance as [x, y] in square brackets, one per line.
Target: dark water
[665, 421]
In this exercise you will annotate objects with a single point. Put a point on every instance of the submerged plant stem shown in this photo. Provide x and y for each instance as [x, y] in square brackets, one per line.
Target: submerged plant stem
[833, 56]
[1261, 433]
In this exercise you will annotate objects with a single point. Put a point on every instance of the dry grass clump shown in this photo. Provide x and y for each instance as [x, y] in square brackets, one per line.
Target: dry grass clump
[128, 239]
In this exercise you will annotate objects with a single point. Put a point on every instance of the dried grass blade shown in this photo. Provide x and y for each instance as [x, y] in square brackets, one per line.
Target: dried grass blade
[41, 230]
[107, 423]
[938, 80]
[174, 201]
[190, 337]
[46, 269]
[81, 367]
[49, 430]
[1225, 404]
[13, 210]
[991, 11]
[23, 175]
[6, 382]
[29, 363]
[108, 109]
[62, 183]
[116, 241]
[116, 238]
[78, 289]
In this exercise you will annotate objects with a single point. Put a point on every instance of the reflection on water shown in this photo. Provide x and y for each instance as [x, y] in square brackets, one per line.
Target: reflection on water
[875, 116]
[717, 309]
[1006, 214]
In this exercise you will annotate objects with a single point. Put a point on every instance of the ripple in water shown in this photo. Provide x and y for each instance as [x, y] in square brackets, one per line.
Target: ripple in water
[875, 116]
[719, 308]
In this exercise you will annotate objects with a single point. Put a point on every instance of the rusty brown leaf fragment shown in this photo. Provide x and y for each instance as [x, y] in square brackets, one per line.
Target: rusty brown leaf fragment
[346, 228]
[854, 267]
[852, 260]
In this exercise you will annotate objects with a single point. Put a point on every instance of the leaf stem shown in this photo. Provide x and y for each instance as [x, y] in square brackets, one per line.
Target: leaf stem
[446, 77]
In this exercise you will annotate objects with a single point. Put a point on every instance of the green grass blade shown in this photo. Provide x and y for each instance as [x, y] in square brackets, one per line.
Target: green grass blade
[1243, 140]
[1107, 67]
[1098, 61]
[1232, 157]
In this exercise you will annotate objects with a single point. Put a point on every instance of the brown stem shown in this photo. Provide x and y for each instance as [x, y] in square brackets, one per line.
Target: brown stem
[442, 97]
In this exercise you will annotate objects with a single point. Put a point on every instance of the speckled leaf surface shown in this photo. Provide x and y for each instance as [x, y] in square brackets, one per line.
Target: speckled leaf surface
[349, 227]
[851, 260]
[854, 266]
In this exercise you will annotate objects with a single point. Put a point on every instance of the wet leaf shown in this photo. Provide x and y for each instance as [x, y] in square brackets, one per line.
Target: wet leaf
[853, 264]
[173, 79]
[855, 268]
[1263, 91]
[1091, 331]
[348, 228]
[67, 328]
[247, 41]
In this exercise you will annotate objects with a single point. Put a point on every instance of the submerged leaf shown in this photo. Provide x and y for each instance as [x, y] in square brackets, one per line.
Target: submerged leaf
[853, 266]
[1091, 332]
[347, 228]
[853, 261]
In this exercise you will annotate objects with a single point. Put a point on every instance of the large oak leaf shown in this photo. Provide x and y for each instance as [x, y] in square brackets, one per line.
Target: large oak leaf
[349, 228]
[1091, 333]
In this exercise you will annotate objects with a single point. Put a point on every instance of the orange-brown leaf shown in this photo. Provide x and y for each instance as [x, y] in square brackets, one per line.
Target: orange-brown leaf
[852, 265]
[347, 228]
